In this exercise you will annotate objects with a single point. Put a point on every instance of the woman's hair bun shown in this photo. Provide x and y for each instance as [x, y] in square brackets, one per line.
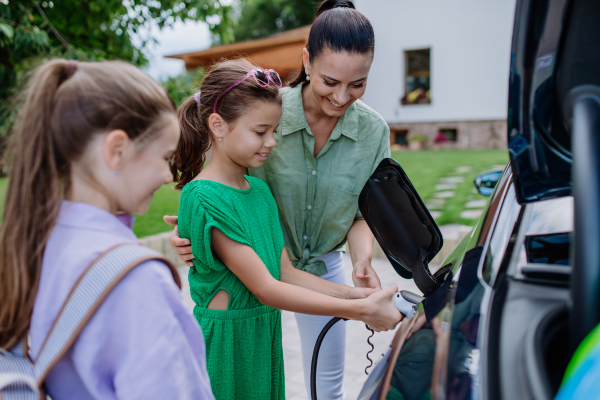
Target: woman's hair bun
[331, 4]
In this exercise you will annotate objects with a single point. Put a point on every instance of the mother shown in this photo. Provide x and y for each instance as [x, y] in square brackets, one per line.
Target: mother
[328, 144]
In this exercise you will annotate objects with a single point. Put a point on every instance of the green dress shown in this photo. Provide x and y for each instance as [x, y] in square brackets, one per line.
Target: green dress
[244, 354]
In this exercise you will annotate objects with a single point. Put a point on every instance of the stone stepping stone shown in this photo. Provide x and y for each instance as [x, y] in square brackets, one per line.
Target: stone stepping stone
[452, 179]
[471, 214]
[431, 206]
[445, 186]
[462, 170]
[498, 166]
[444, 195]
[435, 214]
[437, 201]
[476, 204]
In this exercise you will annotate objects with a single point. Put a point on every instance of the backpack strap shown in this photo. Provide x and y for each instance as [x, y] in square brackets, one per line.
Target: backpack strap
[88, 293]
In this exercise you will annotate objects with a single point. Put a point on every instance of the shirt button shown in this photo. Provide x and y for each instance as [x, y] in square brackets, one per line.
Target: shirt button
[309, 207]
[314, 172]
[305, 237]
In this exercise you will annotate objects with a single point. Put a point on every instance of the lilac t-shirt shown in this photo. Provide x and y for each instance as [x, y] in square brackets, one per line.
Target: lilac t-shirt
[142, 343]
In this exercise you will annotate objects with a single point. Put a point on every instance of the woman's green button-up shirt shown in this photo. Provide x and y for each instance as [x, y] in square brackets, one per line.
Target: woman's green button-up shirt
[318, 197]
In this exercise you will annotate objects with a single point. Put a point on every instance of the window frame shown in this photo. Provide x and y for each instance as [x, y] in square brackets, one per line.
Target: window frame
[427, 100]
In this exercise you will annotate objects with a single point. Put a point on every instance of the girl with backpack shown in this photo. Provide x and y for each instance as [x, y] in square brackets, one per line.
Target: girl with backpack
[92, 144]
[242, 274]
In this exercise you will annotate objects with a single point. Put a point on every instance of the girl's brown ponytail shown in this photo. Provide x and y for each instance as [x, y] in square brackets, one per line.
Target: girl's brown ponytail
[194, 142]
[67, 103]
[34, 195]
[196, 137]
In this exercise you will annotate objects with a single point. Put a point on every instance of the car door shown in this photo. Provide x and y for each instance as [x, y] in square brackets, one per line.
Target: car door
[554, 129]
[486, 331]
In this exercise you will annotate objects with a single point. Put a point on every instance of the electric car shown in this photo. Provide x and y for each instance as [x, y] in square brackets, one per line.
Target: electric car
[503, 314]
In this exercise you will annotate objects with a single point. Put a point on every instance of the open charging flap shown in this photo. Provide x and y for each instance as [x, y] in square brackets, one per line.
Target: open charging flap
[401, 223]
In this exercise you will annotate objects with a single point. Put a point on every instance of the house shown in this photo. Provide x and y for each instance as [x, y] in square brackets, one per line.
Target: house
[281, 52]
[441, 70]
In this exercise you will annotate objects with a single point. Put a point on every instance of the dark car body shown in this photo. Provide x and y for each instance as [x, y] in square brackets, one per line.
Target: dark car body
[521, 290]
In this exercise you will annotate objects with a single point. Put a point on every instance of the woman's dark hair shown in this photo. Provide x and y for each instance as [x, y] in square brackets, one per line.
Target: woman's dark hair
[338, 27]
[67, 104]
[196, 136]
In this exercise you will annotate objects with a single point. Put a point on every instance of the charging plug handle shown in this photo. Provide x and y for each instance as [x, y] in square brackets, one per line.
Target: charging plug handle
[407, 302]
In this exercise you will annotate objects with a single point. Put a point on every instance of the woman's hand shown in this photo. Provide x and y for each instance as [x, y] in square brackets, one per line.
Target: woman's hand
[360, 244]
[181, 246]
[379, 312]
[363, 275]
[360, 292]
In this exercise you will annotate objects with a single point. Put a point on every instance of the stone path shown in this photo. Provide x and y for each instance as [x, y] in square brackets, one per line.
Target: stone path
[356, 337]
[444, 190]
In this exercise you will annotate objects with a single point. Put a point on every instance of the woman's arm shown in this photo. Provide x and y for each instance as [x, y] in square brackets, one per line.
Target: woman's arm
[294, 276]
[360, 243]
[377, 311]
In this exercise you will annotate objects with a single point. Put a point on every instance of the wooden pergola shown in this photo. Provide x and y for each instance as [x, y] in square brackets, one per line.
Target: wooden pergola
[281, 52]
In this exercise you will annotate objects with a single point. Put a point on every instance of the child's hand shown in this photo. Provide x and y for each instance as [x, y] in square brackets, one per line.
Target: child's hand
[380, 313]
[360, 292]
[181, 246]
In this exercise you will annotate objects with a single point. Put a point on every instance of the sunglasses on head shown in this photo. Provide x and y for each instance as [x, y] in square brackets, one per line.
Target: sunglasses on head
[261, 76]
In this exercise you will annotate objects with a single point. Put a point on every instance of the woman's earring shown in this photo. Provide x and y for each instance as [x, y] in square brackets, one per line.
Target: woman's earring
[220, 139]
[307, 77]
[116, 173]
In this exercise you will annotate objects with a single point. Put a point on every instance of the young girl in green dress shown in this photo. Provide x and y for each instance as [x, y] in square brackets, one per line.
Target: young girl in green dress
[242, 275]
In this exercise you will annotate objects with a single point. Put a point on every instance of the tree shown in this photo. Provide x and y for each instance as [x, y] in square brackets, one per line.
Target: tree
[259, 18]
[184, 85]
[88, 30]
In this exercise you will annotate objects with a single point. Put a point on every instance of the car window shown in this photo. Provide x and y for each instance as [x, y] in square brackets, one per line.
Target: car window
[546, 237]
[551, 216]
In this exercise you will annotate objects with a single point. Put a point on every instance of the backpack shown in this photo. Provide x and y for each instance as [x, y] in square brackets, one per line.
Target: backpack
[22, 379]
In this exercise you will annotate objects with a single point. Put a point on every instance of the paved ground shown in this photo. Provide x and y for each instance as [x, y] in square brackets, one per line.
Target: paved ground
[356, 339]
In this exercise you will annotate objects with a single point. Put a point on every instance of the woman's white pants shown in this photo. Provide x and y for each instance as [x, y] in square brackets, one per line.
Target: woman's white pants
[330, 367]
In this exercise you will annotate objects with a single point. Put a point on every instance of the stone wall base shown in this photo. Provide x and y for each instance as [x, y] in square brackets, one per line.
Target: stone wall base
[470, 134]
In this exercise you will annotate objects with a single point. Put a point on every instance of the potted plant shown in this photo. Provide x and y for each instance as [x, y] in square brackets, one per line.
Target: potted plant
[416, 141]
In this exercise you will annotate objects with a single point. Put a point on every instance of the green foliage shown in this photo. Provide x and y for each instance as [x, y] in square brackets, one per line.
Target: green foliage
[88, 30]
[182, 86]
[261, 18]
[417, 137]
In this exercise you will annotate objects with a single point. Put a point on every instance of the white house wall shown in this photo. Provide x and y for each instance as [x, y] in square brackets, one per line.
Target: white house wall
[470, 57]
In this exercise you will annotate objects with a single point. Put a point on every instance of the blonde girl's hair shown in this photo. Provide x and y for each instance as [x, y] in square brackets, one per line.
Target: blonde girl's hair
[66, 104]
[196, 137]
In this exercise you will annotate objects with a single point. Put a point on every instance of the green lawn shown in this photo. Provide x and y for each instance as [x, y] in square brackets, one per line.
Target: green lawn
[165, 202]
[424, 168]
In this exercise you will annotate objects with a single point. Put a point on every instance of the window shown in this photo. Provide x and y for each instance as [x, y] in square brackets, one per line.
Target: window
[446, 135]
[399, 138]
[417, 68]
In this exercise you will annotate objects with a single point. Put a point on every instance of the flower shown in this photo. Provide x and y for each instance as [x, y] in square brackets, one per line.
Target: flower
[440, 138]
